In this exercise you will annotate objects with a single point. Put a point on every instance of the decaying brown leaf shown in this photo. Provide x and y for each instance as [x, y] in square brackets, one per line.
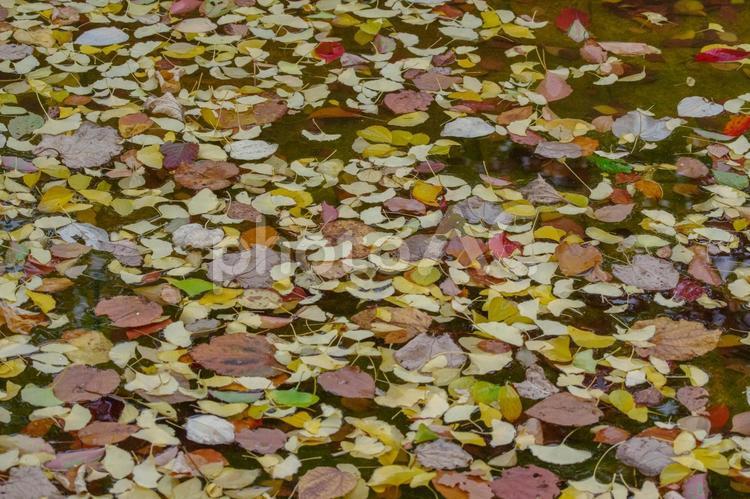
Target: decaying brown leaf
[565, 409]
[237, 355]
[678, 340]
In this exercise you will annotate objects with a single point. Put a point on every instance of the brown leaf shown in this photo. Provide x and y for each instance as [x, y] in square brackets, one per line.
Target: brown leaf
[553, 87]
[539, 191]
[82, 383]
[133, 124]
[678, 340]
[28, 482]
[348, 382]
[325, 482]
[614, 213]
[20, 321]
[89, 146]
[701, 268]
[177, 153]
[691, 167]
[261, 440]
[565, 409]
[694, 398]
[106, 433]
[611, 435]
[129, 311]
[648, 273]
[206, 174]
[250, 268]
[407, 101]
[455, 485]
[649, 455]
[339, 231]
[574, 259]
[741, 423]
[269, 111]
[526, 482]
[423, 348]
[394, 324]
[442, 455]
[238, 355]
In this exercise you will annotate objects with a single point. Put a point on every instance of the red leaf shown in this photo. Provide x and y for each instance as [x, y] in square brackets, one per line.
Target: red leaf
[329, 51]
[721, 54]
[719, 415]
[568, 16]
[737, 125]
[688, 290]
[176, 153]
[501, 246]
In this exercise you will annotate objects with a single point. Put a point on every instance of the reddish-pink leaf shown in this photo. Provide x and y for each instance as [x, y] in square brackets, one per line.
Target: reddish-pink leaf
[501, 246]
[721, 54]
[348, 382]
[177, 153]
[568, 16]
[79, 383]
[526, 482]
[129, 311]
[329, 51]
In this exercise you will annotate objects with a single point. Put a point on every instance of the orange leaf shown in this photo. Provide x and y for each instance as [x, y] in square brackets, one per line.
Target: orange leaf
[650, 189]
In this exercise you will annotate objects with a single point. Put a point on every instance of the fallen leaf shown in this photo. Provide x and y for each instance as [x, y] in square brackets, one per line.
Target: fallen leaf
[678, 340]
[206, 174]
[649, 455]
[237, 354]
[648, 273]
[442, 455]
[89, 146]
[129, 311]
[106, 433]
[574, 259]
[526, 482]
[261, 440]
[325, 482]
[82, 383]
[565, 409]
[425, 348]
[349, 381]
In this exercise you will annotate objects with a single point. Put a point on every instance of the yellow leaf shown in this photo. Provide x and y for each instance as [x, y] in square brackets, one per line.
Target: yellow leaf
[12, 368]
[376, 133]
[410, 119]
[97, 196]
[549, 232]
[182, 50]
[488, 414]
[378, 150]
[54, 199]
[392, 475]
[673, 473]
[622, 400]
[559, 351]
[220, 296]
[587, 339]
[44, 302]
[426, 193]
[510, 402]
[150, 156]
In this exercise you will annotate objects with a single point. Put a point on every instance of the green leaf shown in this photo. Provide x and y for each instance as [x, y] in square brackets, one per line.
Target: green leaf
[485, 392]
[191, 286]
[424, 434]
[731, 179]
[610, 165]
[293, 398]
